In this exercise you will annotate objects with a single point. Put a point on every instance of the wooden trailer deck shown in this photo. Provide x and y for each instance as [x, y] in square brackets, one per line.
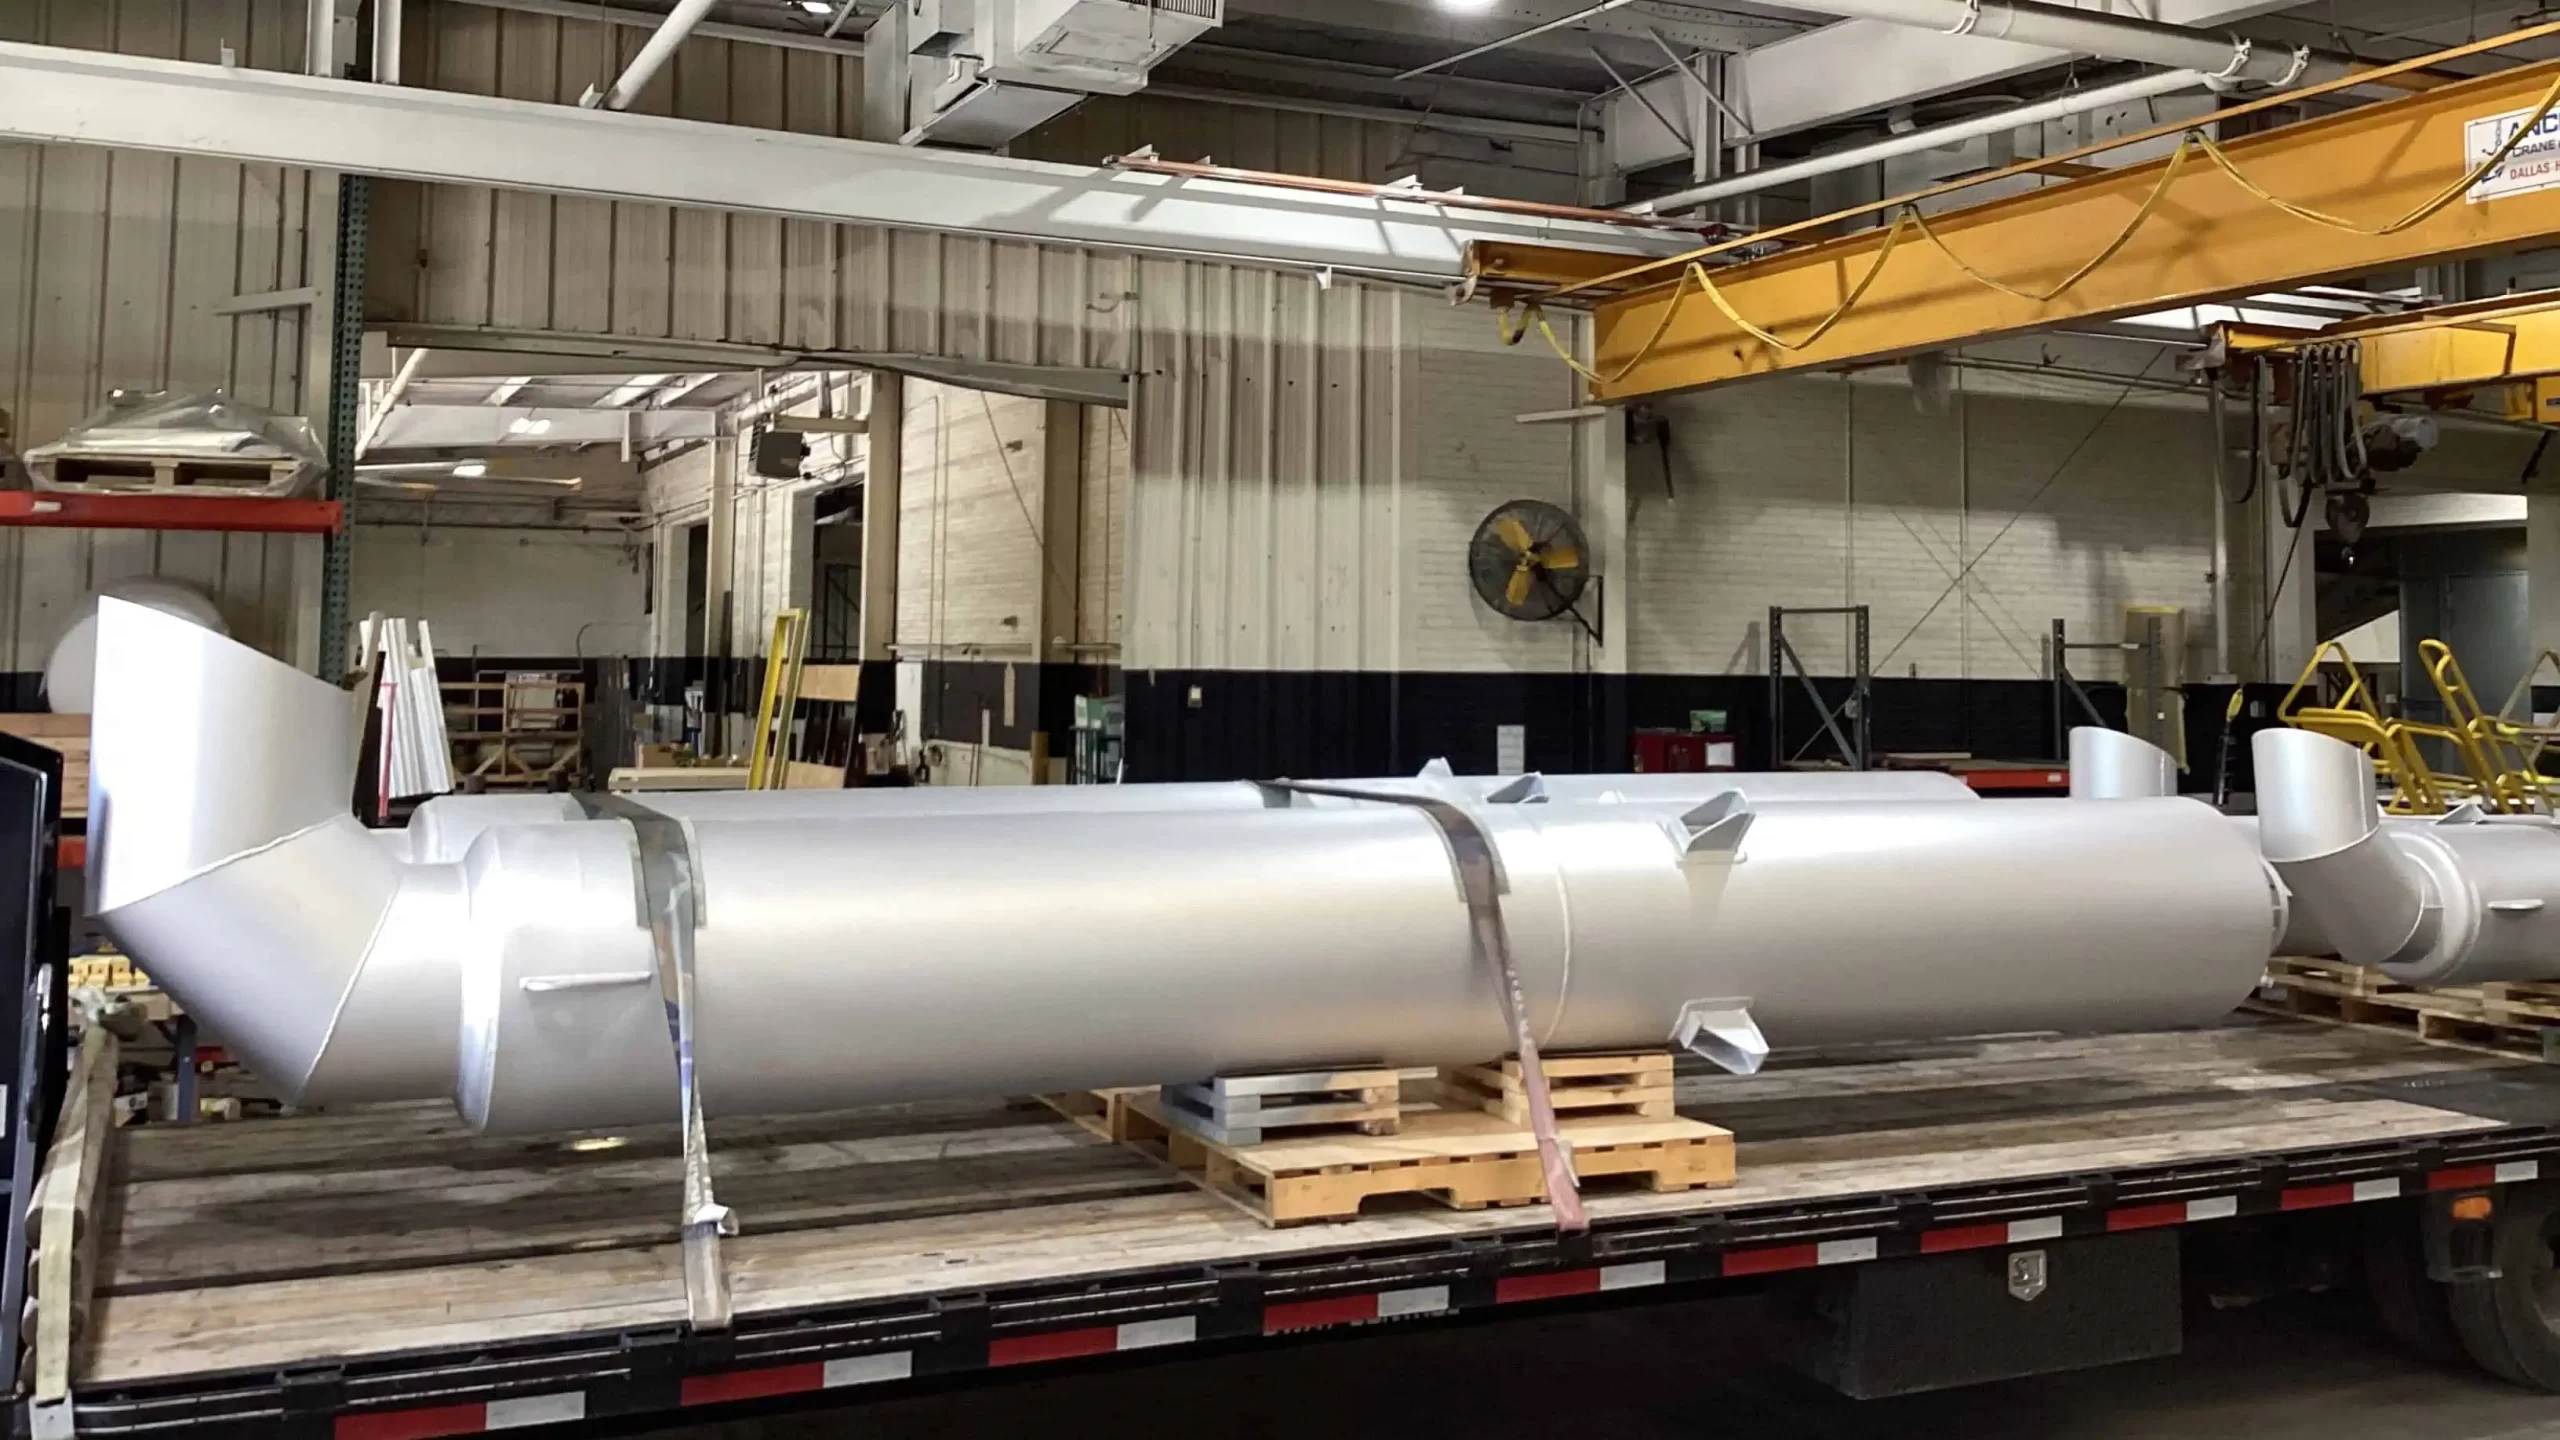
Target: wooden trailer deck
[248, 1250]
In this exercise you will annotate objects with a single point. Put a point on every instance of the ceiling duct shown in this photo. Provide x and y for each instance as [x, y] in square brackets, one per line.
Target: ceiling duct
[980, 72]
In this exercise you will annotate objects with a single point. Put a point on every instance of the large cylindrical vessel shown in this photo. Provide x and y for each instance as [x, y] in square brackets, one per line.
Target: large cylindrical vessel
[841, 961]
[443, 829]
[849, 963]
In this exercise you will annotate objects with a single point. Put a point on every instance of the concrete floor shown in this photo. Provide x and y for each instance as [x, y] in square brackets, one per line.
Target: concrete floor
[2307, 1368]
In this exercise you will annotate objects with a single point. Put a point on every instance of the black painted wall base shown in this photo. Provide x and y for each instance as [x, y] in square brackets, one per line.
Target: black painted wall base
[1250, 724]
[1231, 725]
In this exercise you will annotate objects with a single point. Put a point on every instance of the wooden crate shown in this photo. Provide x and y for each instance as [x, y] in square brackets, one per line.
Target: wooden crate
[68, 734]
[1464, 1159]
[1249, 1109]
[1634, 1084]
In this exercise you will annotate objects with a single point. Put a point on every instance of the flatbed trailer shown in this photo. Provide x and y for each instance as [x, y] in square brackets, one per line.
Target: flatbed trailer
[383, 1273]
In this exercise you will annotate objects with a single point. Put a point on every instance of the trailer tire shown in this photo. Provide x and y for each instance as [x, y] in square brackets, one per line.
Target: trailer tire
[2511, 1325]
[2413, 1309]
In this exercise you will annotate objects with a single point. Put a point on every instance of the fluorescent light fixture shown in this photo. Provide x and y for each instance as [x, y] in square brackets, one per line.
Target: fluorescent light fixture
[471, 469]
[816, 7]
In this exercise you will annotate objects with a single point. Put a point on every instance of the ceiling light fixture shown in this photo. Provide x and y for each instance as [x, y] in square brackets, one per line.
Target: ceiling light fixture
[471, 469]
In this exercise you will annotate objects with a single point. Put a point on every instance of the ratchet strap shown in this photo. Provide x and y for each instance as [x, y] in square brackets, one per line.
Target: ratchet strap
[1480, 883]
[663, 859]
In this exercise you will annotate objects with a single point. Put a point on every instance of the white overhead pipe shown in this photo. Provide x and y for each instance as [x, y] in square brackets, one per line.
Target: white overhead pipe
[654, 54]
[2077, 102]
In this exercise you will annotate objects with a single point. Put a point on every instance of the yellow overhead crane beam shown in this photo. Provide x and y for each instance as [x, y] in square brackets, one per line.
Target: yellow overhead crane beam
[2381, 187]
[2443, 355]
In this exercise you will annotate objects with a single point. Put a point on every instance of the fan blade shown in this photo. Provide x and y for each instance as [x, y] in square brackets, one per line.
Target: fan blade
[1563, 557]
[1516, 594]
[1513, 534]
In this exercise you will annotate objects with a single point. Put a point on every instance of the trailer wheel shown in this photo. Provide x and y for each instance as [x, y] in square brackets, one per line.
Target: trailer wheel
[2511, 1325]
[2413, 1309]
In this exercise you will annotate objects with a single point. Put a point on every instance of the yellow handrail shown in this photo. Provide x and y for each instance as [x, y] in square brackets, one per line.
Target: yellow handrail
[2495, 765]
[2357, 719]
[766, 767]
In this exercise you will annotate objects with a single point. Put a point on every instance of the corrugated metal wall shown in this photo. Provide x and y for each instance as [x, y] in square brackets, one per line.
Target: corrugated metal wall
[111, 266]
[464, 256]
[1311, 463]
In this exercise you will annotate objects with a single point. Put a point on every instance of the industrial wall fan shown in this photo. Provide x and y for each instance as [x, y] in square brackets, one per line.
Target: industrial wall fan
[1529, 561]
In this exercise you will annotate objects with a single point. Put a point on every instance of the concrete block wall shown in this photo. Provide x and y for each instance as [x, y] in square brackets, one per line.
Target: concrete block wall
[1470, 455]
[969, 549]
[1836, 491]
[1103, 548]
[530, 593]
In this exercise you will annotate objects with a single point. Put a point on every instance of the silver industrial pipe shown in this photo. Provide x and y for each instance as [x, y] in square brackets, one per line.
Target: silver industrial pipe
[853, 960]
[1997, 122]
[2454, 901]
[2196, 60]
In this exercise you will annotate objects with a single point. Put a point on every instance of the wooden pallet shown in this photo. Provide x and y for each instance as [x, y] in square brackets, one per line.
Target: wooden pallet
[1636, 1085]
[1104, 1112]
[1464, 1159]
[2335, 977]
[1250, 1109]
[163, 474]
[2458, 1017]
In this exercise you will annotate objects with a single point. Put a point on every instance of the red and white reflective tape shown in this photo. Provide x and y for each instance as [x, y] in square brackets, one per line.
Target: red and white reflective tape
[2356, 1192]
[2172, 1212]
[1564, 1283]
[1984, 1236]
[1775, 1258]
[1099, 1340]
[473, 1419]
[2472, 1177]
[1354, 1309]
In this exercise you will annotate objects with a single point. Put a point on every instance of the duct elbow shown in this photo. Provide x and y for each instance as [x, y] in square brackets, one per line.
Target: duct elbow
[2111, 765]
[2319, 826]
[227, 862]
